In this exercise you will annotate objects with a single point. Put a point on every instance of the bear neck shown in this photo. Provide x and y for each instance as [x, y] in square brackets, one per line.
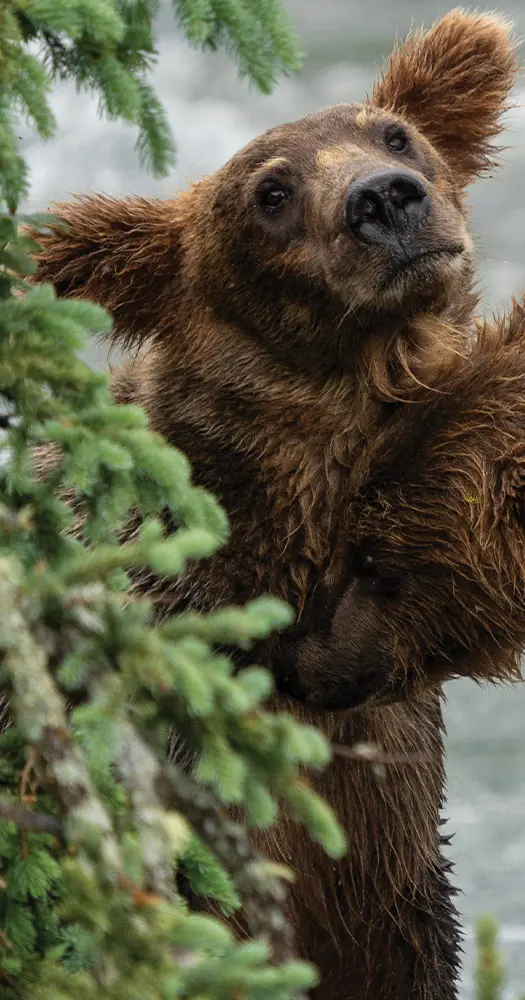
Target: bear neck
[234, 394]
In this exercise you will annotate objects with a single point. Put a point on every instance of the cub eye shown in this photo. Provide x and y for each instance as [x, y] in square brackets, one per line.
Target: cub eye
[369, 573]
[272, 196]
[396, 140]
[376, 579]
[368, 566]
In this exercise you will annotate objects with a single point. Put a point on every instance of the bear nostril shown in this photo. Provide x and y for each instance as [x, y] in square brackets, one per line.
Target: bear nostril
[385, 203]
[368, 207]
[402, 192]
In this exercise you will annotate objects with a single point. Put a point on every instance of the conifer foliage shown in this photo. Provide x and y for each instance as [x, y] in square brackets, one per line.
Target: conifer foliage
[489, 972]
[95, 821]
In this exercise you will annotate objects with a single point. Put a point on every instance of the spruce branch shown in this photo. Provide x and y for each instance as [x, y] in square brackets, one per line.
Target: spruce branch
[489, 974]
[371, 753]
[159, 792]
[28, 820]
[160, 787]
[161, 831]
[261, 892]
[42, 717]
[94, 821]
[109, 49]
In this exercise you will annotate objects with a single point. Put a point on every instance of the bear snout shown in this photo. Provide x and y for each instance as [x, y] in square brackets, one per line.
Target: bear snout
[387, 204]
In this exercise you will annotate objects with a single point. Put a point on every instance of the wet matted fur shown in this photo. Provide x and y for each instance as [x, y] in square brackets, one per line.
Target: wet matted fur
[291, 361]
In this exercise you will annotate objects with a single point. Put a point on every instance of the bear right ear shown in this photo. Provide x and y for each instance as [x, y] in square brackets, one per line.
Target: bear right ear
[125, 255]
[453, 83]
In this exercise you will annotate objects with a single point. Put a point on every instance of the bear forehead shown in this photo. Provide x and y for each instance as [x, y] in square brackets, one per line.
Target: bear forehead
[317, 138]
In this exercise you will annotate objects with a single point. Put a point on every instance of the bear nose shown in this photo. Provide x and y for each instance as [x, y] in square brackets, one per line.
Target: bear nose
[386, 203]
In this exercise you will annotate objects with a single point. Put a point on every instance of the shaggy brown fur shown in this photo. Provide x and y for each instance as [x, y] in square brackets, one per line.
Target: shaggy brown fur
[283, 350]
[439, 522]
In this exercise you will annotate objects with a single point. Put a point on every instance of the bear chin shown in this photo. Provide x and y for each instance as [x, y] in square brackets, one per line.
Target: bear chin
[423, 280]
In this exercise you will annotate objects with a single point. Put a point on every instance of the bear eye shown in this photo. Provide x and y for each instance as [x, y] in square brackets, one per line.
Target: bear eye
[272, 196]
[396, 140]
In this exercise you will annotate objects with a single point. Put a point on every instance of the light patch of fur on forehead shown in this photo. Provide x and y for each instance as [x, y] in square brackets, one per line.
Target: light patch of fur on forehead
[365, 116]
[276, 161]
[333, 155]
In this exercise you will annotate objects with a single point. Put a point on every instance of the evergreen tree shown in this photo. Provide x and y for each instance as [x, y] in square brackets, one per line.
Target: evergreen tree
[489, 974]
[94, 819]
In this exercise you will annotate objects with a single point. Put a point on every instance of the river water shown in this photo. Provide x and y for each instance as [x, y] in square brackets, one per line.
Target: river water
[212, 116]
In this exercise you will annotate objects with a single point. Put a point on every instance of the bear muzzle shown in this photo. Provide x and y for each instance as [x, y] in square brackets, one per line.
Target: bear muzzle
[387, 204]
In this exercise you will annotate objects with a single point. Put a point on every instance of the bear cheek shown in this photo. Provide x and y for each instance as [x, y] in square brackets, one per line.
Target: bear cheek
[354, 274]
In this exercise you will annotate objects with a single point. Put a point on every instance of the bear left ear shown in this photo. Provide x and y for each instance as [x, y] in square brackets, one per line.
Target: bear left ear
[125, 254]
[453, 83]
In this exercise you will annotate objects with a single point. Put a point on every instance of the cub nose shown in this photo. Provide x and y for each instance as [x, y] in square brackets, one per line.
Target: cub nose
[386, 203]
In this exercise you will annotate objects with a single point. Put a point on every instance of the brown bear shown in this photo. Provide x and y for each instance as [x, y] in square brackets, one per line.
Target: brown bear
[292, 315]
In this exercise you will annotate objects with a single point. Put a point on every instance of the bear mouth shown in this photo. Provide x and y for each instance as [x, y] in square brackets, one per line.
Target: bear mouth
[419, 263]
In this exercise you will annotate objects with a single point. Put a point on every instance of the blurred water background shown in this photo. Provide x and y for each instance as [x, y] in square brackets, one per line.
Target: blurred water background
[213, 115]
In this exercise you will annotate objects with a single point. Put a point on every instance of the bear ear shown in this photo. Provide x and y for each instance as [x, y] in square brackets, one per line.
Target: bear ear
[125, 255]
[453, 83]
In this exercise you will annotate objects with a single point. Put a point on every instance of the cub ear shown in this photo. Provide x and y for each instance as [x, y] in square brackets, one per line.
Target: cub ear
[453, 83]
[125, 255]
